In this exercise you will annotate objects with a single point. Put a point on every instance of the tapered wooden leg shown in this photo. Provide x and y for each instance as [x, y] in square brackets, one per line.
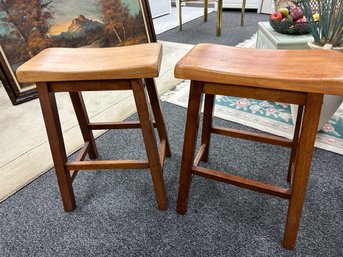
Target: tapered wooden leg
[219, 18]
[150, 143]
[156, 108]
[295, 142]
[82, 117]
[180, 15]
[53, 128]
[207, 124]
[302, 167]
[205, 10]
[189, 145]
[243, 12]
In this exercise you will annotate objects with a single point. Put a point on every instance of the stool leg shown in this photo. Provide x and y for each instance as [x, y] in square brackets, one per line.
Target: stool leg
[189, 145]
[150, 143]
[295, 143]
[207, 124]
[82, 117]
[219, 18]
[205, 10]
[53, 128]
[302, 167]
[243, 12]
[156, 108]
[180, 15]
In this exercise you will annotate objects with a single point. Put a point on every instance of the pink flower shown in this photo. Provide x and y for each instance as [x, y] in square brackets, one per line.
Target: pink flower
[328, 128]
[271, 110]
[242, 103]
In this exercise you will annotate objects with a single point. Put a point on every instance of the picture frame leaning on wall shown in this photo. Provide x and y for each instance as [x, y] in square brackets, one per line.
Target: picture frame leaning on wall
[267, 6]
[27, 30]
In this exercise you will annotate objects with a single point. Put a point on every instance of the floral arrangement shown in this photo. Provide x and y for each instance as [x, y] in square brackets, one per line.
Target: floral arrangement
[329, 28]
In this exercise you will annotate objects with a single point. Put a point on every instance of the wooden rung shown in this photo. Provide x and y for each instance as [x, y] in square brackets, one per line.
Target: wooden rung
[199, 155]
[81, 156]
[281, 96]
[118, 164]
[116, 125]
[73, 174]
[83, 152]
[242, 182]
[76, 86]
[268, 139]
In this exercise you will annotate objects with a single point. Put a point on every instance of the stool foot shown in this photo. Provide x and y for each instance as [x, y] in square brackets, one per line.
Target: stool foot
[150, 143]
[190, 139]
[156, 108]
[69, 205]
[82, 117]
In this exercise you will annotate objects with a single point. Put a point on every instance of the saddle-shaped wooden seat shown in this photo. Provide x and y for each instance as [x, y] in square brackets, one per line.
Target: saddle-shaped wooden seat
[92, 69]
[298, 77]
[71, 64]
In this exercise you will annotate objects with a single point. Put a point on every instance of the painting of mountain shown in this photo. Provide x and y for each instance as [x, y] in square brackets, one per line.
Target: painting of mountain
[81, 25]
[28, 27]
[81, 32]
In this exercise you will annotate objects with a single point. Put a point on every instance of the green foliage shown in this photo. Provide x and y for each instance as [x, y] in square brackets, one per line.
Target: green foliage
[28, 22]
[329, 29]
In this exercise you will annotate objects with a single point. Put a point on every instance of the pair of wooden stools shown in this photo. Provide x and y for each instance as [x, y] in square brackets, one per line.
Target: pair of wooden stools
[273, 75]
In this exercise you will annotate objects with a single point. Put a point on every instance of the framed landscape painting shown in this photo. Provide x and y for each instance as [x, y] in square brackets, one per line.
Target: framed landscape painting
[29, 26]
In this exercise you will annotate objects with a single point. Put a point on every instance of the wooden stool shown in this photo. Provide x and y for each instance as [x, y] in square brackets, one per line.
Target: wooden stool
[93, 69]
[274, 75]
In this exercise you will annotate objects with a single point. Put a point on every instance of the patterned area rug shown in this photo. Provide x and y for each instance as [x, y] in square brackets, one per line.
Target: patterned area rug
[271, 117]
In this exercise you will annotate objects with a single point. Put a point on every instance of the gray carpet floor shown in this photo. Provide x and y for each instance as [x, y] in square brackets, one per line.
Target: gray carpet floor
[116, 212]
[198, 31]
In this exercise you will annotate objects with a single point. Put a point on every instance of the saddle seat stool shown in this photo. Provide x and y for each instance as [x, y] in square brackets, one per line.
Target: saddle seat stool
[262, 74]
[74, 70]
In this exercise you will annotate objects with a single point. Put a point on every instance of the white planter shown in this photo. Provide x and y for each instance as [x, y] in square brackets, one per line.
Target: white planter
[330, 105]
[326, 47]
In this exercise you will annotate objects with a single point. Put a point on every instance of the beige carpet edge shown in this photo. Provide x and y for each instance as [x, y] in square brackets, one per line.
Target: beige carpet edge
[38, 160]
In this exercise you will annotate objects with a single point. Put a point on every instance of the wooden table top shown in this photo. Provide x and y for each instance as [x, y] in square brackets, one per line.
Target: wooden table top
[316, 71]
[71, 64]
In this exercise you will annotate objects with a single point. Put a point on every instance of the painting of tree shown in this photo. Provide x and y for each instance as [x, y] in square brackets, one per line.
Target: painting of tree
[114, 13]
[29, 26]
[120, 25]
